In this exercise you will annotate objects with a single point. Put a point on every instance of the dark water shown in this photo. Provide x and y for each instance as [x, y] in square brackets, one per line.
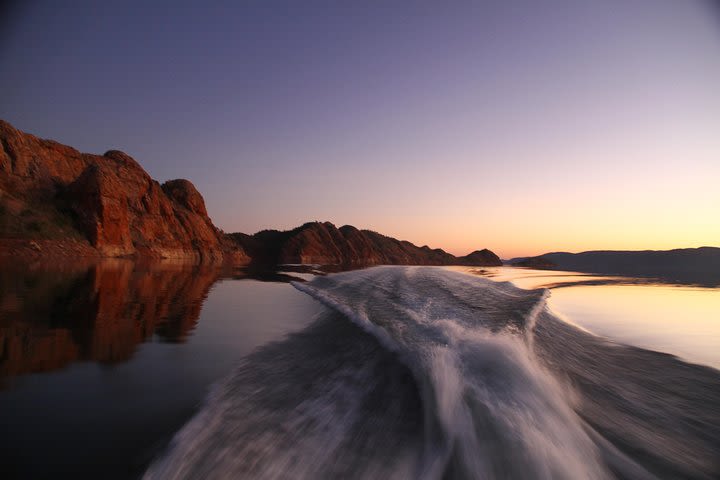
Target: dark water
[390, 372]
[101, 365]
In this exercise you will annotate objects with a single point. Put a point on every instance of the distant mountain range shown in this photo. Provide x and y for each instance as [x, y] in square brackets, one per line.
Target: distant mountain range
[678, 263]
[58, 202]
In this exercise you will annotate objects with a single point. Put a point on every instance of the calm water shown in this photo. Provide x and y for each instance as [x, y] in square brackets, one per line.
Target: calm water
[101, 366]
[681, 319]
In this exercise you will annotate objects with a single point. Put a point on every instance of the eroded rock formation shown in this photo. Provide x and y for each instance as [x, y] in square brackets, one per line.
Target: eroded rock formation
[50, 191]
[56, 201]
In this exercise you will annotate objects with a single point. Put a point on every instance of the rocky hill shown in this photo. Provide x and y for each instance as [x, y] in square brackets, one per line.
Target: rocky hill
[56, 201]
[54, 198]
[325, 244]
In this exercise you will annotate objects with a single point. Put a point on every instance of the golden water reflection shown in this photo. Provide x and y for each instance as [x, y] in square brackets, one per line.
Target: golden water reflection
[682, 320]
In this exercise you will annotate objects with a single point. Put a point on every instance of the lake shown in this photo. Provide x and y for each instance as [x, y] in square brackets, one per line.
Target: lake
[101, 365]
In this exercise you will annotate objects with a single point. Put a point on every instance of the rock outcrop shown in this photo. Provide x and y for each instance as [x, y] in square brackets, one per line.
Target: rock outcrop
[110, 201]
[325, 244]
[99, 200]
[480, 258]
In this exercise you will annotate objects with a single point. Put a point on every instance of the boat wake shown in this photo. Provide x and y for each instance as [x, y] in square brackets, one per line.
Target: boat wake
[419, 372]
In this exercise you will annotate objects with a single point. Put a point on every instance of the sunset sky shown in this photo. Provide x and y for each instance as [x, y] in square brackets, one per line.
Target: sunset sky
[520, 126]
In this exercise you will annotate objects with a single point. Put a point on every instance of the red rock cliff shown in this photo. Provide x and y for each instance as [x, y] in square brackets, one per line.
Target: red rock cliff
[110, 199]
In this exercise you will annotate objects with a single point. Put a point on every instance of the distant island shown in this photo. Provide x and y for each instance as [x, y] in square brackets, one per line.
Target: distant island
[678, 263]
[58, 202]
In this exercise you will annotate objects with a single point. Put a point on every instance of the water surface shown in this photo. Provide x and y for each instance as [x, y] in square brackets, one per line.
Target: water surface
[100, 365]
[163, 370]
[448, 375]
[681, 319]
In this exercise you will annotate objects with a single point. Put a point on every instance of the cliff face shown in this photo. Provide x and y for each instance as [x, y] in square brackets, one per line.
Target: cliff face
[51, 191]
[325, 244]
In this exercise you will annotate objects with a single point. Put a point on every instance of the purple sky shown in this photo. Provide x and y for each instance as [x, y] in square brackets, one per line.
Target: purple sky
[521, 126]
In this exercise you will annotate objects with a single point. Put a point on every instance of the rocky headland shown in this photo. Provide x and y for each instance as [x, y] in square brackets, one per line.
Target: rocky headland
[58, 202]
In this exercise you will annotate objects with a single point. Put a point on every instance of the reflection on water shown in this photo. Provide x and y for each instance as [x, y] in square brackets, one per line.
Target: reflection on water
[100, 364]
[50, 317]
[681, 319]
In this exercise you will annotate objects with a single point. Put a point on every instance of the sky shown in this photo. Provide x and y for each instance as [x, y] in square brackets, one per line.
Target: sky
[520, 126]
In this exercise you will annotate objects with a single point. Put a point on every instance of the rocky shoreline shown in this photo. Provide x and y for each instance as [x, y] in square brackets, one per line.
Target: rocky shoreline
[56, 202]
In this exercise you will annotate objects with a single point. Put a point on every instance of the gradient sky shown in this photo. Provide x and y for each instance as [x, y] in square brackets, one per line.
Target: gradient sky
[520, 126]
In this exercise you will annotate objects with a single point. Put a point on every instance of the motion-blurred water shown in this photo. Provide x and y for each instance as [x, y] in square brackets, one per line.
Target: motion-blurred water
[420, 372]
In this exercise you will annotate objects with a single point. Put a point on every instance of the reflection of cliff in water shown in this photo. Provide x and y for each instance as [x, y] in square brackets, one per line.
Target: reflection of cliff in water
[52, 316]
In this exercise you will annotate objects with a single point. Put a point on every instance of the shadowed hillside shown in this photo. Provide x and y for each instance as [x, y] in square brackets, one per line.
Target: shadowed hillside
[701, 265]
[325, 244]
